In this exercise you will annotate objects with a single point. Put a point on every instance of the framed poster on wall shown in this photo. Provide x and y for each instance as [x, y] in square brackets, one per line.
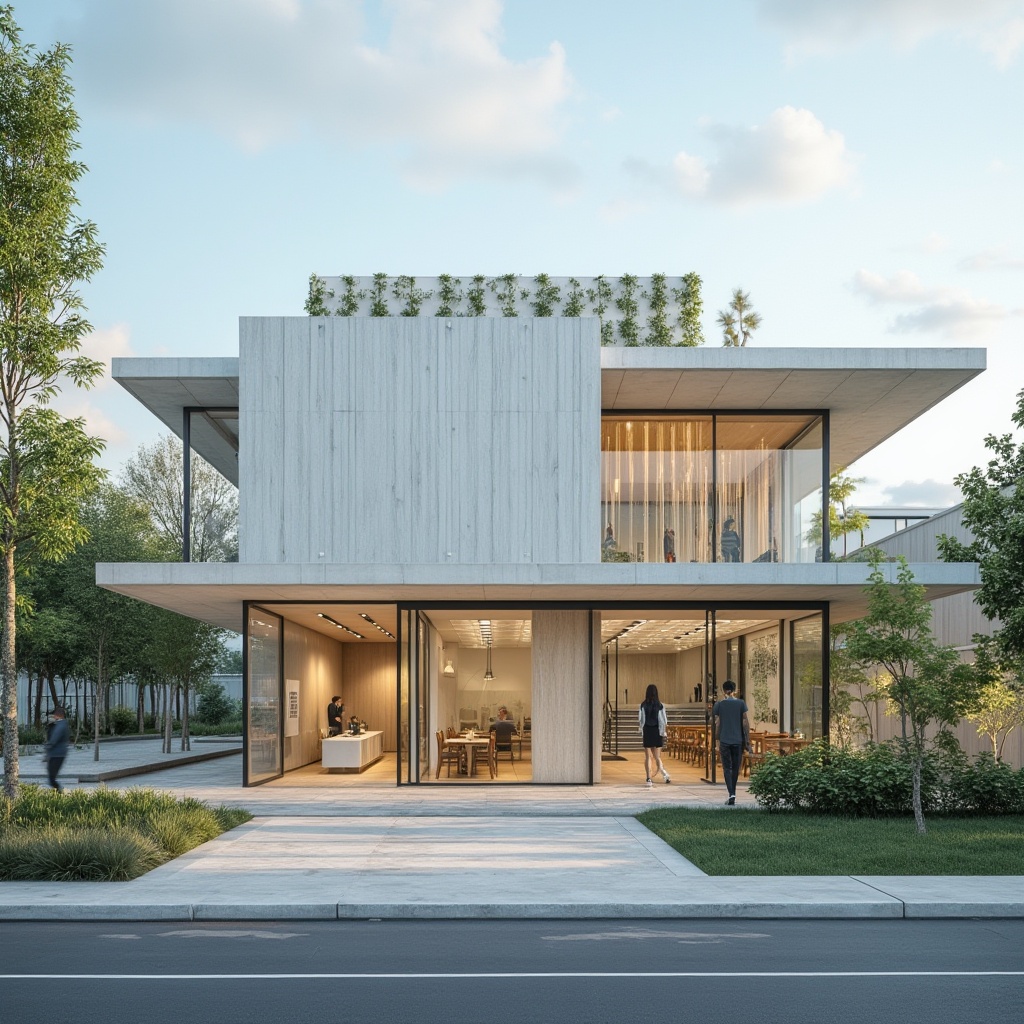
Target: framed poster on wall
[291, 707]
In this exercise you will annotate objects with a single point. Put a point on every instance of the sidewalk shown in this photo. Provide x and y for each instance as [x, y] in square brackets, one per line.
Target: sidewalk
[429, 852]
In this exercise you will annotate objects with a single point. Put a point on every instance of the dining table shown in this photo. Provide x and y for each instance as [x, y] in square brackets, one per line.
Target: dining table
[786, 744]
[471, 745]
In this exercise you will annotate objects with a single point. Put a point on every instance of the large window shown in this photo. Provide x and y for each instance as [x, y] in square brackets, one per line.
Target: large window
[807, 677]
[732, 488]
[263, 710]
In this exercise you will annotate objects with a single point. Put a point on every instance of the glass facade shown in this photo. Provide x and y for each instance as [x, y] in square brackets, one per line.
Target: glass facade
[263, 708]
[733, 488]
[806, 677]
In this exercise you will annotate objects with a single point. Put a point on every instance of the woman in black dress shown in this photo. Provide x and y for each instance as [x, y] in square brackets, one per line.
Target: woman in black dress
[653, 727]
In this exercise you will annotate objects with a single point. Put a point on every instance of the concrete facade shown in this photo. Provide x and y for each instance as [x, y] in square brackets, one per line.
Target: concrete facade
[425, 462]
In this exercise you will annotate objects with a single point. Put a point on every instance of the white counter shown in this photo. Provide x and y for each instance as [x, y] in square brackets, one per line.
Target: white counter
[352, 753]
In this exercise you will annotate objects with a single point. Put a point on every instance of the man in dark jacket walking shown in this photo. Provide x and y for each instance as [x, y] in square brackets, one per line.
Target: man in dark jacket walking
[57, 740]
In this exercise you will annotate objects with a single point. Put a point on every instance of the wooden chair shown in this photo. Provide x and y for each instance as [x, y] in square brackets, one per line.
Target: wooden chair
[446, 754]
[492, 755]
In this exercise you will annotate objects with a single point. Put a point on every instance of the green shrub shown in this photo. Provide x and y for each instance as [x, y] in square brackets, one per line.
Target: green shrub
[214, 705]
[30, 734]
[139, 829]
[62, 854]
[877, 781]
[229, 727]
[122, 720]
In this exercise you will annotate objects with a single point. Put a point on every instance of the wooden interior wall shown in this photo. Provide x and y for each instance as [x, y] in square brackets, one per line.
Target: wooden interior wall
[315, 660]
[562, 727]
[368, 686]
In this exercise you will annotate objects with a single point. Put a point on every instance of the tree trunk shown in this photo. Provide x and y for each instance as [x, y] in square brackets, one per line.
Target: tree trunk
[140, 708]
[186, 740]
[96, 699]
[9, 681]
[37, 707]
[918, 812]
[168, 718]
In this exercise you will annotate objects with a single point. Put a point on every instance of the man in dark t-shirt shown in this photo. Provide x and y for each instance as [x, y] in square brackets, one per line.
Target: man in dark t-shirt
[733, 729]
[334, 723]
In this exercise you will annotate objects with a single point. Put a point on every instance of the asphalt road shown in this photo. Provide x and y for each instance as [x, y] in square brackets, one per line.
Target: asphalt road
[519, 971]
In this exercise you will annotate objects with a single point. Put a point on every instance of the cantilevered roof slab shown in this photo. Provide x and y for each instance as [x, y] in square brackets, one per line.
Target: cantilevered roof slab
[214, 591]
[168, 386]
[872, 393]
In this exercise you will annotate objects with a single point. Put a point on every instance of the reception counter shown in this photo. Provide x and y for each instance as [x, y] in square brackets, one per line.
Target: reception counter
[352, 753]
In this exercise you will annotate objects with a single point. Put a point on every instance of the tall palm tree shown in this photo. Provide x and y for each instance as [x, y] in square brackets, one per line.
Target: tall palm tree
[739, 321]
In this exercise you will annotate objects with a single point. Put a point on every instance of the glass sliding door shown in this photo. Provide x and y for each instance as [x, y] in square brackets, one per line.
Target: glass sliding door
[264, 686]
[406, 652]
[807, 646]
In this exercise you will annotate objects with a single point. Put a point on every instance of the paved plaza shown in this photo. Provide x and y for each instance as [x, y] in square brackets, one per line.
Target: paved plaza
[322, 847]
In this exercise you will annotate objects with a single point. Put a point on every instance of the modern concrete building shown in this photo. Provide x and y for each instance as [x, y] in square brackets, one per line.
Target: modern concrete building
[440, 516]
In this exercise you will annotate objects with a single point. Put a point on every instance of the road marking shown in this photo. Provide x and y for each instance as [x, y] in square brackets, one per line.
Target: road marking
[413, 976]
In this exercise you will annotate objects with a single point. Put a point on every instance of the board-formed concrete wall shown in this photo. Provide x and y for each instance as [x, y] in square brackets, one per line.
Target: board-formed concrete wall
[419, 440]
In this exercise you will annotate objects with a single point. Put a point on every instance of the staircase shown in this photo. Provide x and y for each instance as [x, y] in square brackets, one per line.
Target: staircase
[627, 719]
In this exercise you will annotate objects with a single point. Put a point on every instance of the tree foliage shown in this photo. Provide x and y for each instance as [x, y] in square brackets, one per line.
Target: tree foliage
[993, 513]
[46, 461]
[738, 320]
[925, 683]
[843, 519]
[154, 477]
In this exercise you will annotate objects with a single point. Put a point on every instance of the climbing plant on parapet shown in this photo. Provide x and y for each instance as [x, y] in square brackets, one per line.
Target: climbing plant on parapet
[506, 291]
[378, 296]
[348, 305]
[691, 306]
[626, 304]
[659, 330]
[405, 291]
[448, 295]
[599, 298]
[316, 299]
[476, 296]
[574, 299]
[545, 297]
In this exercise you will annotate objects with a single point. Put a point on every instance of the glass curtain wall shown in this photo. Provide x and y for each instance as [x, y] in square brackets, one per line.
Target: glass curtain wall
[263, 709]
[712, 488]
[806, 678]
[406, 625]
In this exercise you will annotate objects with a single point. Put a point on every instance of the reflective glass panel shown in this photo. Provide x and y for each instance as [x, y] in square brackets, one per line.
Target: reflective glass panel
[263, 712]
[807, 656]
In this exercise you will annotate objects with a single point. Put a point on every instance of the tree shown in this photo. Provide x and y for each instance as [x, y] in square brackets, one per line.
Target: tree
[185, 653]
[1000, 710]
[848, 687]
[111, 628]
[738, 321]
[842, 519]
[154, 477]
[926, 683]
[46, 461]
[993, 512]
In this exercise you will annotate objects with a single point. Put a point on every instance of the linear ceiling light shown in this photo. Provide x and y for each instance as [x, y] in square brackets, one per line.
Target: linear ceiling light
[376, 625]
[335, 622]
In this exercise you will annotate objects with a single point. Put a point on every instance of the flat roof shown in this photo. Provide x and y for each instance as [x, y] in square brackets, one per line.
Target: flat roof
[871, 393]
[214, 591]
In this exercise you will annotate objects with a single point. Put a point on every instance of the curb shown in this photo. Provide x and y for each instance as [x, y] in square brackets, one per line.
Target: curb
[155, 766]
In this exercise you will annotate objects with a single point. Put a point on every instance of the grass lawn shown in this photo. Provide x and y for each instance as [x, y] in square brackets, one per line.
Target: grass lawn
[749, 842]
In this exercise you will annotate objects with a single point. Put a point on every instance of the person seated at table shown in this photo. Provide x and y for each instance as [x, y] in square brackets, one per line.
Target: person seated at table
[334, 710]
[504, 729]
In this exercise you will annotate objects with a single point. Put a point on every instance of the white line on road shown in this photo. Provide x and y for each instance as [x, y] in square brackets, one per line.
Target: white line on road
[512, 975]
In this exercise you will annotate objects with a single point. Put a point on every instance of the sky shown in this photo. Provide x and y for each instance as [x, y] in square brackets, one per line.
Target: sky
[857, 166]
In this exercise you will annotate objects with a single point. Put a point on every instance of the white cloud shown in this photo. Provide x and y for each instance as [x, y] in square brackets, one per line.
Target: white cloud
[814, 26]
[949, 311]
[105, 345]
[790, 158]
[993, 259]
[928, 493]
[262, 72]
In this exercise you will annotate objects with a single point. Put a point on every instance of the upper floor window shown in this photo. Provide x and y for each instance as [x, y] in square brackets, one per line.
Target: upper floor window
[712, 488]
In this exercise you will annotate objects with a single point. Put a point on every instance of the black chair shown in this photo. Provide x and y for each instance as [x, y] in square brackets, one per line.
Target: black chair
[503, 733]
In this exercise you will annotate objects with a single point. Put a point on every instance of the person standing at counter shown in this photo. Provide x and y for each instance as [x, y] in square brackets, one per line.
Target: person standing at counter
[334, 723]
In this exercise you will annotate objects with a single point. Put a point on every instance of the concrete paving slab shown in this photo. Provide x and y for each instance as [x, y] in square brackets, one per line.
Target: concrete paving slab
[931, 896]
